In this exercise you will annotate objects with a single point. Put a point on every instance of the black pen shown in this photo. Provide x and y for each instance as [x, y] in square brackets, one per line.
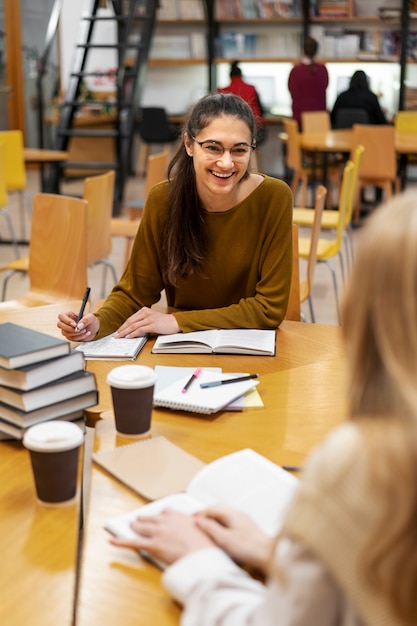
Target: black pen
[83, 305]
[217, 383]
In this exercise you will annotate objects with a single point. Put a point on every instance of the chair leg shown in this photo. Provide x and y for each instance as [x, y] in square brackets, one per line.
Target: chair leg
[6, 279]
[310, 306]
[13, 239]
[336, 291]
[107, 265]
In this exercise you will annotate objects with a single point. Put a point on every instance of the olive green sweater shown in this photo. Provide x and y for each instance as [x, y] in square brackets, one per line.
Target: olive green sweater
[247, 270]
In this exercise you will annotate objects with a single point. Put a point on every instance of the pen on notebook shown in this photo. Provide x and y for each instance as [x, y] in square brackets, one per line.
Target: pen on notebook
[83, 305]
[217, 383]
[194, 376]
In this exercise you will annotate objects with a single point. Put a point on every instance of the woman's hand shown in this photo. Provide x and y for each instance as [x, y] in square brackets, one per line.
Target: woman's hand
[86, 329]
[237, 535]
[148, 320]
[167, 536]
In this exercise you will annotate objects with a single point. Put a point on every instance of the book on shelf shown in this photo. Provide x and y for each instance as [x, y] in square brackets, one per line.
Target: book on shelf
[24, 419]
[11, 431]
[112, 348]
[202, 400]
[64, 388]
[251, 341]
[21, 346]
[37, 374]
[244, 480]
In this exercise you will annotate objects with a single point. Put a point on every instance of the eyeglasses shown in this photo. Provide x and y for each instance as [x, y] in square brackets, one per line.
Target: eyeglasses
[215, 150]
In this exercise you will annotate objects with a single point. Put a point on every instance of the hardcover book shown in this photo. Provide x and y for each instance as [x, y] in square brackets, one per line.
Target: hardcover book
[21, 346]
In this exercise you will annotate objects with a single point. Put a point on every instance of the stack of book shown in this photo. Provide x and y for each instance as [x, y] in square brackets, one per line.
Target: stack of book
[41, 379]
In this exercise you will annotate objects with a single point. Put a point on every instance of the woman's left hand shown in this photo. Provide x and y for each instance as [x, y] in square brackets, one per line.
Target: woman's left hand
[148, 320]
[167, 537]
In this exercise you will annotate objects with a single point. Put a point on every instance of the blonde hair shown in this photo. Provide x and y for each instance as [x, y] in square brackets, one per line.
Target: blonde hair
[380, 330]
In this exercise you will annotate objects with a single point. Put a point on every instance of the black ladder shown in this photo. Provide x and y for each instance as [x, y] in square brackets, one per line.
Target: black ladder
[135, 22]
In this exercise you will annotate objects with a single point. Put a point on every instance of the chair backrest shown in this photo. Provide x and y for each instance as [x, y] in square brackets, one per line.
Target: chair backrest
[58, 247]
[3, 188]
[346, 118]
[293, 150]
[379, 159]
[321, 194]
[406, 121]
[15, 161]
[99, 193]
[294, 305]
[356, 157]
[156, 170]
[154, 126]
[345, 192]
[315, 121]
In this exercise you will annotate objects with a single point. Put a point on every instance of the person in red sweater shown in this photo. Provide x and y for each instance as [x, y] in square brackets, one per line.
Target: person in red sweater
[308, 82]
[249, 93]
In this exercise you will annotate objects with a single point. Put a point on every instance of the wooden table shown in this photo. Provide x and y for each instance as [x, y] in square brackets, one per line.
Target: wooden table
[44, 157]
[39, 545]
[303, 390]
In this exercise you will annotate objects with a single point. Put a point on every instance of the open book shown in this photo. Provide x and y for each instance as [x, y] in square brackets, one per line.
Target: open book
[112, 348]
[219, 341]
[244, 480]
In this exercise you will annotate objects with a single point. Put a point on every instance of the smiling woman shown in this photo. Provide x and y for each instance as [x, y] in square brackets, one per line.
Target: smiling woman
[215, 236]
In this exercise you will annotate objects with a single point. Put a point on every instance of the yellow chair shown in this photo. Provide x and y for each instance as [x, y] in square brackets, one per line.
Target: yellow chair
[4, 199]
[156, 171]
[306, 285]
[330, 218]
[16, 181]
[303, 173]
[406, 121]
[294, 305]
[328, 248]
[315, 121]
[379, 162]
[57, 252]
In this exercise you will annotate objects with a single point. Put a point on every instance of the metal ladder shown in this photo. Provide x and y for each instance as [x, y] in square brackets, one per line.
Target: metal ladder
[135, 22]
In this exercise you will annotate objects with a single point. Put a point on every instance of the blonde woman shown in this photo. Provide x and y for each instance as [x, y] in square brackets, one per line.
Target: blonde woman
[347, 555]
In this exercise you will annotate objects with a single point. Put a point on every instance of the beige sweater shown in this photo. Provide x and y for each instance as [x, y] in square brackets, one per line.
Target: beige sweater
[248, 266]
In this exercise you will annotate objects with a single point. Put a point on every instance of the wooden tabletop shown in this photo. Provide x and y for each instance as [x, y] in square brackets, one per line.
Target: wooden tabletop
[303, 391]
[38, 155]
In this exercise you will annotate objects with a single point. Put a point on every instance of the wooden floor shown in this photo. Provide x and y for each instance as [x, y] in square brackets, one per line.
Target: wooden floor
[323, 293]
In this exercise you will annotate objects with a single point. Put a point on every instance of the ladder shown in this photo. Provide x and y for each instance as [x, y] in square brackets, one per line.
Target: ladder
[134, 21]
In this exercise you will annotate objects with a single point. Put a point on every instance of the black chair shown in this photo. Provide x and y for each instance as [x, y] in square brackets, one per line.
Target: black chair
[154, 128]
[345, 118]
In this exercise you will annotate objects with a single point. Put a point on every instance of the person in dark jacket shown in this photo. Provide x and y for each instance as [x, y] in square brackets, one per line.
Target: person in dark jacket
[359, 96]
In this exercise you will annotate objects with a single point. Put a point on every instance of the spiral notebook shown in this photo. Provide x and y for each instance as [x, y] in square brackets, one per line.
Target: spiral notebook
[200, 400]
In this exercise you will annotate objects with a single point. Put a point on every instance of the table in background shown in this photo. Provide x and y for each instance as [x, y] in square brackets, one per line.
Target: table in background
[42, 157]
[39, 545]
[303, 390]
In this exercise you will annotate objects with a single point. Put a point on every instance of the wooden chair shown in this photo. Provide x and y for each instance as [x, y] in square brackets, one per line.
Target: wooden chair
[379, 162]
[306, 285]
[294, 306]
[328, 248]
[4, 199]
[57, 251]
[16, 181]
[330, 218]
[99, 193]
[156, 172]
[315, 121]
[303, 173]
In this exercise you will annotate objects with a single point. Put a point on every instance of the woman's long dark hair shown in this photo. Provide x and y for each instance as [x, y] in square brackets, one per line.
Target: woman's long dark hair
[184, 237]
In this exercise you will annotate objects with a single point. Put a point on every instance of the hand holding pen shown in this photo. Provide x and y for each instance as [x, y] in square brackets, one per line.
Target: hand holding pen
[82, 307]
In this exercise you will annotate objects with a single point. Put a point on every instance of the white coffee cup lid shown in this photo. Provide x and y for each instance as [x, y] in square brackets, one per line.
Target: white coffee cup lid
[53, 436]
[131, 377]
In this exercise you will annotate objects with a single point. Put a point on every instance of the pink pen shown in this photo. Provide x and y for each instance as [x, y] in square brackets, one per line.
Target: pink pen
[195, 375]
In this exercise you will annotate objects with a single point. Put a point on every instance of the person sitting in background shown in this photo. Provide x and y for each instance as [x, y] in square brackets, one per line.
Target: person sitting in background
[215, 236]
[359, 96]
[347, 552]
[249, 94]
[308, 82]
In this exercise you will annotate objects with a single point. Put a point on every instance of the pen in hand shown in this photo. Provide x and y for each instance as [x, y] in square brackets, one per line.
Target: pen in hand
[226, 381]
[82, 307]
[195, 375]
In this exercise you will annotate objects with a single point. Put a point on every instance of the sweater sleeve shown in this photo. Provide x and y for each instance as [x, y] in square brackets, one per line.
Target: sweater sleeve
[216, 592]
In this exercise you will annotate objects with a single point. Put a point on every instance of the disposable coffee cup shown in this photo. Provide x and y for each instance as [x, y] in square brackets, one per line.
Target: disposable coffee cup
[132, 388]
[54, 450]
